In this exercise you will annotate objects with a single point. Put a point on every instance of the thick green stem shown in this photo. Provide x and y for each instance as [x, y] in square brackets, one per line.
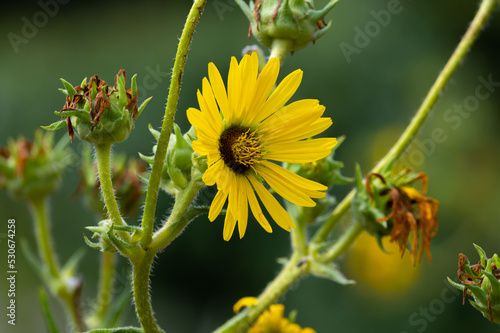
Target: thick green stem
[418, 120]
[68, 296]
[105, 289]
[168, 121]
[39, 211]
[141, 274]
[290, 273]
[103, 158]
[177, 220]
[280, 48]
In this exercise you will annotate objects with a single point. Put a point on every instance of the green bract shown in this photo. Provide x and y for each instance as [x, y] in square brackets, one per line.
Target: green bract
[182, 164]
[481, 281]
[293, 21]
[33, 170]
[98, 113]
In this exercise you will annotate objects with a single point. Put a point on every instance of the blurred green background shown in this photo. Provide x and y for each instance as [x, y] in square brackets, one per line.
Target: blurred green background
[371, 98]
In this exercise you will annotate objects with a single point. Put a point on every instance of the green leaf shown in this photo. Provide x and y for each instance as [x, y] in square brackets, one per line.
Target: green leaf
[456, 285]
[143, 105]
[44, 304]
[55, 126]
[330, 272]
[80, 113]
[117, 330]
[482, 254]
[147, 159]
[69, 88]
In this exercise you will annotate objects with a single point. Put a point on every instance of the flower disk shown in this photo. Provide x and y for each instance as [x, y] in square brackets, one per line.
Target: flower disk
[245, 129]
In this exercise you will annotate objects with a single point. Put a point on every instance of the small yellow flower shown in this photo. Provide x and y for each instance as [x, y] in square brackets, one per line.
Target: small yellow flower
[271, 320]
[243, 130]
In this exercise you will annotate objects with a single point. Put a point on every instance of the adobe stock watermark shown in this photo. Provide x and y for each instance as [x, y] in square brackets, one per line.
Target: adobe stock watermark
[364, 35]
[31, 26]
[425, 315]
[223, 6]
[453, 116]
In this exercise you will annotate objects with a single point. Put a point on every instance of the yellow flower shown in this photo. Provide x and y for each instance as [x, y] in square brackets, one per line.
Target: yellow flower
[242, 131]
[271, 320]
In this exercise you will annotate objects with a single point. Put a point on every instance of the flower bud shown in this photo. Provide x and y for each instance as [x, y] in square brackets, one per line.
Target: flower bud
[482, 282]
[98, 113]
[30, 170]
[293, 23]
[178, 169]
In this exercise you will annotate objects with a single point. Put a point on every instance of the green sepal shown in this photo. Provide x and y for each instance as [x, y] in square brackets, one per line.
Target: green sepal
[456, 285]
[117, 330]
[55, 126]
[147, 159]
[70, 91]
[122, 93]
[495, 287]
[136, 232]
[70, 266]
[134, 85]
[130, 251]
[154, 132]
[479, 294]
[329, 271]
[482, 255]
[80, 113]
[44, 304]
[91, 244]
[142, 106]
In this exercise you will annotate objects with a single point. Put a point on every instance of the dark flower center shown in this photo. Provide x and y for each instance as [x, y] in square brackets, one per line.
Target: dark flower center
[240, 148]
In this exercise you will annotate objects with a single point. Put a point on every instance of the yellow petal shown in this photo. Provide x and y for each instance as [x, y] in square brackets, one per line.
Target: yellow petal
[280, 95]
[294, 178]
[233, 92]
[217, 204]
[255, 207]
[301, 151]
[242, 205]
[278, 213]
[229, 224]
[201, 122]
[249, 71]
[284, 187]
[244, 302]
[264, 86]
[219, 89]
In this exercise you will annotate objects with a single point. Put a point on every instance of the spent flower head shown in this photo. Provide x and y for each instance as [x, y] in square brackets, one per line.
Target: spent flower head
[98, 113]
[482, 282]
[386, 204]
[33, 169]
[272, 319]
[292, 24]
[244, 129]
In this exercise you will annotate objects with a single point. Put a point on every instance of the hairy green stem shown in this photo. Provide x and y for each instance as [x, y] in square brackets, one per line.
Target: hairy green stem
[103, 159]
[177, 220]
[168, 121]
[280, 48]
[343, 243]
[45, 243]
[69, 297]
[482, 16]
[105, 289]
[290, 273]
[141, 274]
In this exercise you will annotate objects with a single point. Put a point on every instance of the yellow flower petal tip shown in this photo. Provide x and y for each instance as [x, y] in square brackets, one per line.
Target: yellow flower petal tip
[244, 302]
[246, 131]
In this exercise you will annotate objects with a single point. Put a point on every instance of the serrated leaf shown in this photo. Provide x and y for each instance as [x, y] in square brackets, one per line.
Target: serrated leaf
[44, 304]
[55, 126]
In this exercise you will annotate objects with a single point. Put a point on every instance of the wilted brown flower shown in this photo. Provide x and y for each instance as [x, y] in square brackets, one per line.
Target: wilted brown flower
[411, 210]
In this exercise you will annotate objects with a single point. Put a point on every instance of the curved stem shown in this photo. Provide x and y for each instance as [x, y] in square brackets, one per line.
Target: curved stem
[168, 121]
[178, 219]
[141, 274]
[103, 158]
[482, 16]
[290, 273]
[105, 289]
[343, 243]
[68, 296]
[44, 241]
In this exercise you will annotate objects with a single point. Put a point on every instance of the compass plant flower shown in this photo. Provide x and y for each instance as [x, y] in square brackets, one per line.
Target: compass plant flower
[245, 129]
